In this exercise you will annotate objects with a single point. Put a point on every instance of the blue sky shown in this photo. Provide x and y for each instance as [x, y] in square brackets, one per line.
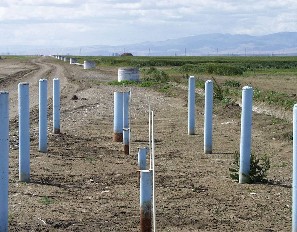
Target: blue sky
[115, 22]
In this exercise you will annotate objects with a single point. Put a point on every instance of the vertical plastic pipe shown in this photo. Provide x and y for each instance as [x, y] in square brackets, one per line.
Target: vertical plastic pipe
[56, 106]
[4, 154]
[118, 117]
[246, 134]
[43, 115]
[294, 184]
[126, 134]
[126, 126]
[191, 106]
[142, 158]
[208, 117]
[145, 201]
[24, 132]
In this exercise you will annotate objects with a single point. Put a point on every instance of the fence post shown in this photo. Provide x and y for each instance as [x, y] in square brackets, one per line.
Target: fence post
[191, 106]
[56, 106]
[294, 184]
[208, 117]
[24, 132]
[246, 134]
[145, 200]
[43, 115]
[4, 154]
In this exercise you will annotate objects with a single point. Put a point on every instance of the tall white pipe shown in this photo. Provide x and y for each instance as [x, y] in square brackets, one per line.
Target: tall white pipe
[142, 158]
[4, 154]
[56, 106]
[294, 184]
[191, 106]
[126, 126]
[153, 170]
[43, 115]
[208, 117]
[24, 132]
[145, 200]
[246, 134]
[118, 117]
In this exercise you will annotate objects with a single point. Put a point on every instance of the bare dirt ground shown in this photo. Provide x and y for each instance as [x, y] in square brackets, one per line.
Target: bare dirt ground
[86, 183]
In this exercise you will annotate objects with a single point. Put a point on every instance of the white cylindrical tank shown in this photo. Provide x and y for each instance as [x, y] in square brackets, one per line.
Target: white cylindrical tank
[128, 74]
[89, 64]
[73, 60]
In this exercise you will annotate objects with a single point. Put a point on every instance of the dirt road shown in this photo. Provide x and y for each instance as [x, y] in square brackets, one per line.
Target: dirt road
[86, 183]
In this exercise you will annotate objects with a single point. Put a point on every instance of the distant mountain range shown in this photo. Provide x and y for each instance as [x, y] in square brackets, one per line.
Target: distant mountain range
[284, 43]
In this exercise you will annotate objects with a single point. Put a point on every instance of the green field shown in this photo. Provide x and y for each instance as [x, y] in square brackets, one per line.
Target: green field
[273, 77]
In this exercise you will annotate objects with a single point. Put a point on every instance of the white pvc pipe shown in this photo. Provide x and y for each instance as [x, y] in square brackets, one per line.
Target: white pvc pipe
[56, 106]
[150, 133]
[145, 200]
[126, 126]
[191, 106]
[153, 169]
[142, 158]
[208, 117]
[126, 140]
[118, 117]
[24, 132]
[294, 184]
[43, 115]
[246, 134]
[4, 154]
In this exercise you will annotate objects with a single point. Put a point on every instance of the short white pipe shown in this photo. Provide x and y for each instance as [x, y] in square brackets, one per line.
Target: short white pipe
[56, 106]
[208, 117]
[4, 154]
[246, 134]
[145, 200]
[191, 106]
[142, 152]
[126, 140]
[294, 184]
[118, 117]
[43, 115]
[24, 132]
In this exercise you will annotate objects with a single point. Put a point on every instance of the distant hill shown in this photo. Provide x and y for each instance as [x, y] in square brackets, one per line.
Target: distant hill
[284, 43]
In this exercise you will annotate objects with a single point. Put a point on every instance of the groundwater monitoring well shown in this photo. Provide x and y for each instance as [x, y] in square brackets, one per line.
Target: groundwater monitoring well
[128, 74]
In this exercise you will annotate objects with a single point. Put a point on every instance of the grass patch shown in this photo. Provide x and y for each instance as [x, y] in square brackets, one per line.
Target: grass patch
[45, 200]
[259, 166]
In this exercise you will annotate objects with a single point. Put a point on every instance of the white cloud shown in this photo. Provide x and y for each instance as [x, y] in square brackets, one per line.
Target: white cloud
[129, 21]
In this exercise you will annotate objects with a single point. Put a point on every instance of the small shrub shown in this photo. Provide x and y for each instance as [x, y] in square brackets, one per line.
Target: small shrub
[218, 91]
[232, 84]
[259, 167]
[46, 200]
[154, 74]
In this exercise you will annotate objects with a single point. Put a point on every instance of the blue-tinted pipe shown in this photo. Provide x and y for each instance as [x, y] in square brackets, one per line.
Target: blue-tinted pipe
[24, 132]
[191, 106]
[246, 134]
[4, 154]
[208, 117]
[43, 115]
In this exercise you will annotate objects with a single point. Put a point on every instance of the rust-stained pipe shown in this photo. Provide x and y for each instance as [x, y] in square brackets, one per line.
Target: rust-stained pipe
[126, 132]
[118, 117]
[145, 201]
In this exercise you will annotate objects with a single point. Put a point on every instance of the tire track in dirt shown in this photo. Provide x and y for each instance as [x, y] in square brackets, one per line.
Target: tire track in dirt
[44, 70]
